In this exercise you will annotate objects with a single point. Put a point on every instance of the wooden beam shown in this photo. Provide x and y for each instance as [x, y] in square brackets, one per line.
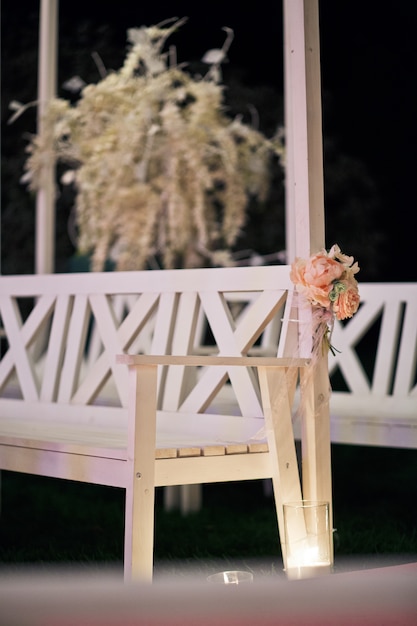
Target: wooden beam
[305, 228]
[47, 78]
[303, 115]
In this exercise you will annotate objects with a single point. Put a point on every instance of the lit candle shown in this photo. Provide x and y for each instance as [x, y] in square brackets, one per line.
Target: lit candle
[307, 563]
[307, 539]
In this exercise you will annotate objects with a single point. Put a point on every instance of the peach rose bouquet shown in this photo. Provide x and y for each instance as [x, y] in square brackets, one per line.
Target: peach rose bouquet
[327, 280]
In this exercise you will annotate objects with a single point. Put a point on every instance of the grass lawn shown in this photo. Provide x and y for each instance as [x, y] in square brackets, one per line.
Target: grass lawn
[52, 521]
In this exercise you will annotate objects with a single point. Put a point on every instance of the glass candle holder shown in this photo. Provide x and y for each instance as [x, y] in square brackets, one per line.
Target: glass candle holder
[231, 577]
[307, 539]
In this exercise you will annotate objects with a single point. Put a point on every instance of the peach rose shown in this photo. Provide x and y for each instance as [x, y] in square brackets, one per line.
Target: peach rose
[297, 271]
[321, 270]
[316, 295]
[314, 277]
[347, 302]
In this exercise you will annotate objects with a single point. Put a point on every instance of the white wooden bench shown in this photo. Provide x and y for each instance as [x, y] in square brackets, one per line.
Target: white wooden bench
[373, 370]
[56, 418]
[374, 401]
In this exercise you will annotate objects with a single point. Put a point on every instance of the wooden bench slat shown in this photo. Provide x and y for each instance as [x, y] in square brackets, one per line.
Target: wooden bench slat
[237, 448]
[56, 349]
[216, 450]
[258, 447]
[191, 451]
[75, 343]
[166, 453]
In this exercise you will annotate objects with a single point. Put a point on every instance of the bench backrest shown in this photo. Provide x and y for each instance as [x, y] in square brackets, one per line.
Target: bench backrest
[63, 332]
[377, 348]
[373, 373]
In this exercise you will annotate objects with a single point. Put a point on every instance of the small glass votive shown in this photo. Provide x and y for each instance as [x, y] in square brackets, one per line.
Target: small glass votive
[231, 577]
[307, 539]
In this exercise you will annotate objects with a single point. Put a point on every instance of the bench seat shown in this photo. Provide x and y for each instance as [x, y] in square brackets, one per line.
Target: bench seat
[178, 434]
[99, 455]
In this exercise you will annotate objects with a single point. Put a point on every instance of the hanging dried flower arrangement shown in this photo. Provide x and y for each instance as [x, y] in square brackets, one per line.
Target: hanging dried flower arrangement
[160, 170]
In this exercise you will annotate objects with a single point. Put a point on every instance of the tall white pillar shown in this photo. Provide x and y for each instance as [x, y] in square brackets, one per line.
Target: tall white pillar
[47, 78]
[303, 124]
[305, 227]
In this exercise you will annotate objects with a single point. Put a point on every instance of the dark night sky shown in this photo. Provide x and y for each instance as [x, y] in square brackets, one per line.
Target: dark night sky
[368, 75]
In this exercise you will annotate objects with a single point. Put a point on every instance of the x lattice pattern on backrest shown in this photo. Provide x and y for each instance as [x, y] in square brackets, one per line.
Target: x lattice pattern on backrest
[63, 333]
[377, 348]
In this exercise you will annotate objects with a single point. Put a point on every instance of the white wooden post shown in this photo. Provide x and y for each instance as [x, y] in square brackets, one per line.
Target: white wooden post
[47, 78]
[305, 229]
[304, 146]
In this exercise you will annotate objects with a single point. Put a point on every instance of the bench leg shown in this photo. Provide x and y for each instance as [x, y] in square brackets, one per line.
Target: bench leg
[277, 389]
[315, 435]
[140, 488]
[171, 498]
[187, 498]
[191, 498]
